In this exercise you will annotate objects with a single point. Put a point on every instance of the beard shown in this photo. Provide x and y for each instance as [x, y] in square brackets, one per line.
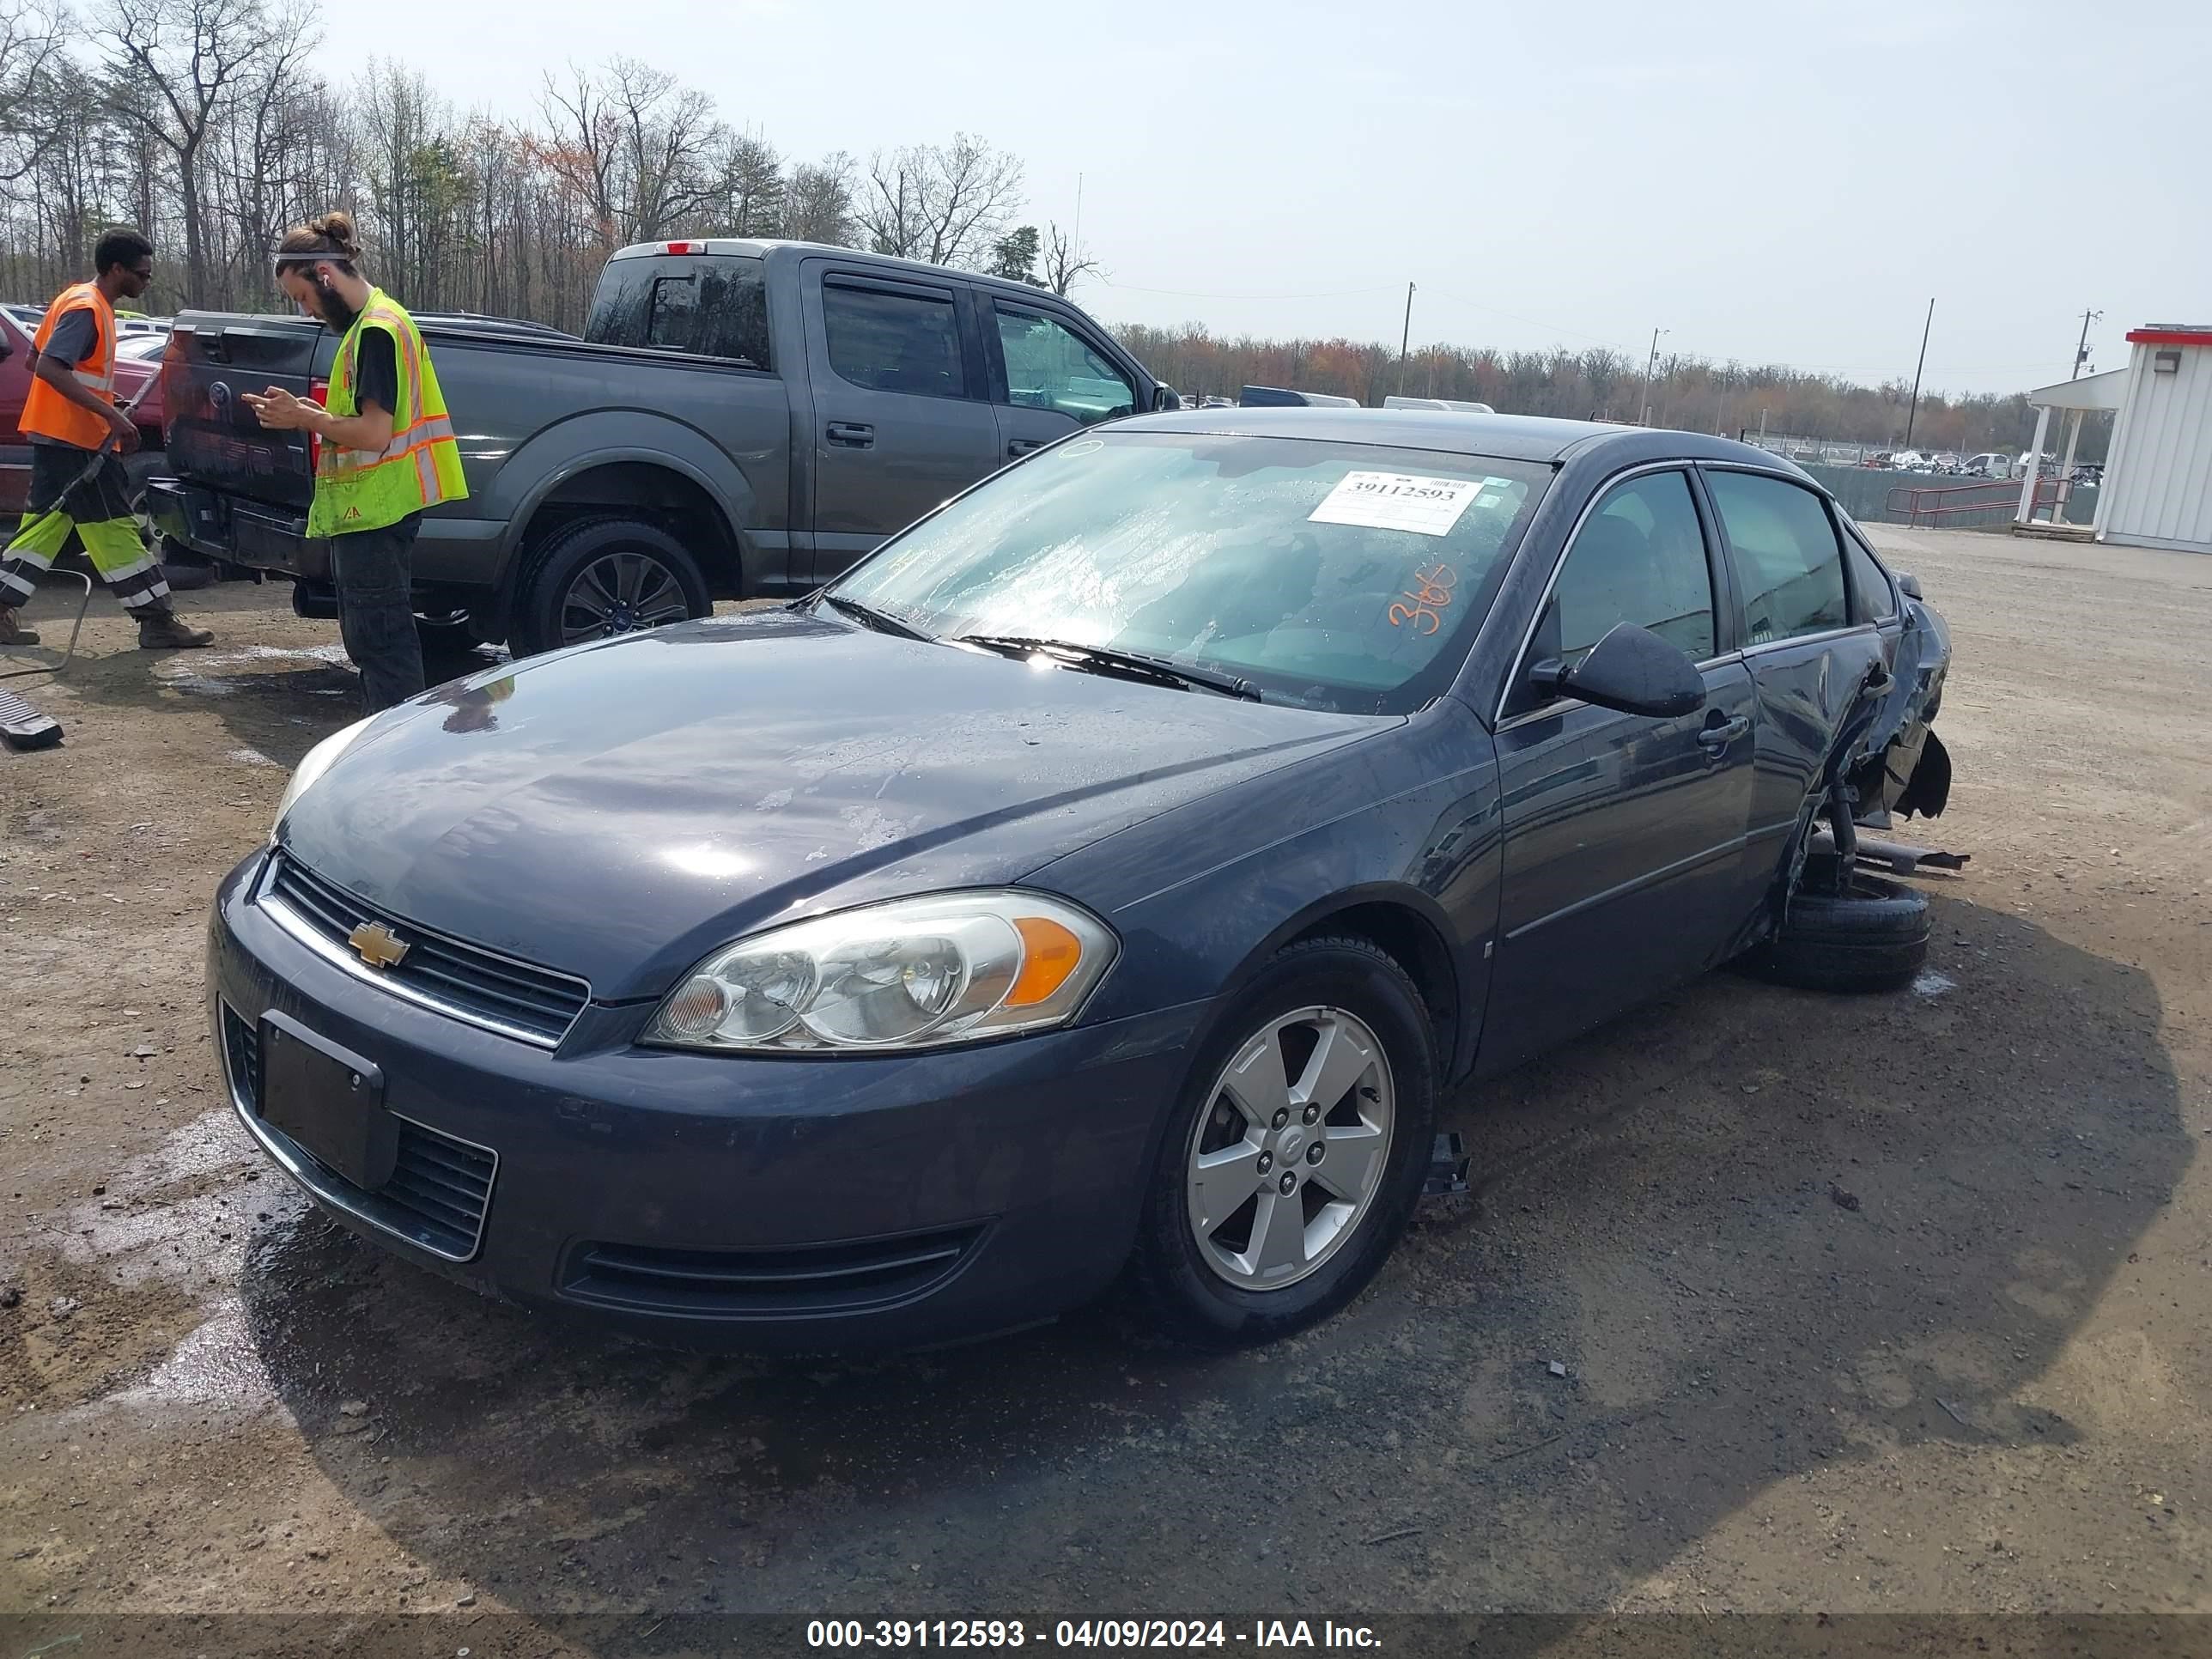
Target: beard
[333, 310]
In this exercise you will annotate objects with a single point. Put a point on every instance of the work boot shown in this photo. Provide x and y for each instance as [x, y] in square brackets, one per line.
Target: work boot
[12, 632]
[159, 629]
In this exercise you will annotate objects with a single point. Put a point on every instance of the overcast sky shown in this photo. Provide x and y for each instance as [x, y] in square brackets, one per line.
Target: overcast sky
[1778, 182]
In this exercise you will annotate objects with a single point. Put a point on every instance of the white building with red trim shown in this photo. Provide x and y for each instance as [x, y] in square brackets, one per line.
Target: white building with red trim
[2157, 488]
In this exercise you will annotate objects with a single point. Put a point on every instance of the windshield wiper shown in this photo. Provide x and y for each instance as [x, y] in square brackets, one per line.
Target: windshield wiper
[1132, 664]
[882, 621]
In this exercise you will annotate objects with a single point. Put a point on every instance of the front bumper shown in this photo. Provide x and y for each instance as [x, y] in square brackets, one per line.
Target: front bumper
[797, 1204]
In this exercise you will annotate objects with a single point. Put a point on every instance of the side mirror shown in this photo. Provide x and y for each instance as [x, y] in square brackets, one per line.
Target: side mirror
[1909, 583]
[1164, 397]
[1632, 670]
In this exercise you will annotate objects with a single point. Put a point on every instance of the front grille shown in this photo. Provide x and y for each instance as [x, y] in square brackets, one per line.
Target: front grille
[819, 1279]
[461, 980]
[439, 1187]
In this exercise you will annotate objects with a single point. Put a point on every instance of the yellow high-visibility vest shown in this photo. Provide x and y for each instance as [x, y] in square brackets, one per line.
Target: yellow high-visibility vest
[367, 490]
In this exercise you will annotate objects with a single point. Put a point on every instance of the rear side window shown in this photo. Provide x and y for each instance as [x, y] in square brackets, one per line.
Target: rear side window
[710, 307]
[1873, 599]
[890, 341]
[1788, 561]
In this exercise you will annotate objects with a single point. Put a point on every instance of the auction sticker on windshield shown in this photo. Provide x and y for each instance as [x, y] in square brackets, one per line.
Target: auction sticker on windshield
[1398, 500]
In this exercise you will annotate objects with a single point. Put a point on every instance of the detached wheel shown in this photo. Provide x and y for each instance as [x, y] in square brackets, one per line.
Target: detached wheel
[603, 576]
[1297, 1153]
[1872, 937]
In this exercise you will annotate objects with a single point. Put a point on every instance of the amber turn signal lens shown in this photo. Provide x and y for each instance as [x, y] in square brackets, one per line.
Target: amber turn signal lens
[1049, 954]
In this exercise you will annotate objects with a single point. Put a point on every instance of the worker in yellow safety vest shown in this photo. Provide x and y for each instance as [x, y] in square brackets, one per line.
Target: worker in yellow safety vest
[386, 456]
[77, 434]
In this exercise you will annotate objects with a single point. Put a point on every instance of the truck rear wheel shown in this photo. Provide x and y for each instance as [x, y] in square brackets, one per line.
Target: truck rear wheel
[602, 576]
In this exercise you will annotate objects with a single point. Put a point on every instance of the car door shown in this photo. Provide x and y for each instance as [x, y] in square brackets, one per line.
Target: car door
[901, 419]
[1047, 380]
[1624, 834]
[1807, 643]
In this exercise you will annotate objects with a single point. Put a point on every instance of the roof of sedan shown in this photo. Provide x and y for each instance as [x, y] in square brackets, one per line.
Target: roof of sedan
[1508, 437]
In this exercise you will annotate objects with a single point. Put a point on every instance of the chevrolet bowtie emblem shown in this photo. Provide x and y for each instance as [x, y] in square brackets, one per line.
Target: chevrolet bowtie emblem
[380, 947]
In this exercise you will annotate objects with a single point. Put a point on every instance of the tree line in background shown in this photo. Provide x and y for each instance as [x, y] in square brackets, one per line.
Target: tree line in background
[206, 123]
[1599, 384]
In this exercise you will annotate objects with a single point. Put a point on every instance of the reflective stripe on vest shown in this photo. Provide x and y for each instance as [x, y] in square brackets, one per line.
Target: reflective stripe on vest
[45, 411]
[360, 489]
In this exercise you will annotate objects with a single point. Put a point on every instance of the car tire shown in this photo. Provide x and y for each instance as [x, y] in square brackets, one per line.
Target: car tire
[585, 569]
[1359, 993]
[1872, 937]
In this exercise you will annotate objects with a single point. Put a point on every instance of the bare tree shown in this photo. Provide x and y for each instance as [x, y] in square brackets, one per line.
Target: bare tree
[176, 66]
[667, 132]
[944, 203]
[34, 36]
[818, 202]
[1066, 262]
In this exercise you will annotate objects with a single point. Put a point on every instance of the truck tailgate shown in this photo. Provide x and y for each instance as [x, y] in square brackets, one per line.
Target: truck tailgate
[214, 440]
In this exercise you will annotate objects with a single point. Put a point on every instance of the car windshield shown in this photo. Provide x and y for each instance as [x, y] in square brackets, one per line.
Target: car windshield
[1337, 577]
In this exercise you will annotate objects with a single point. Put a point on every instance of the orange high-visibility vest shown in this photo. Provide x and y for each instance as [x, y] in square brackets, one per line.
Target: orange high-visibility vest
[45, 411]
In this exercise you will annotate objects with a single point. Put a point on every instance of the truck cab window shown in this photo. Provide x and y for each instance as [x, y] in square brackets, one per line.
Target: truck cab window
[711, 305]
[1048, 367]
[894, 342]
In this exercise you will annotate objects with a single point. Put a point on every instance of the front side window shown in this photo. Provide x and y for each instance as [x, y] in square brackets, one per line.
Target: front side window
[1787, 561]
[1640, 558]
[1347, 577]
[894, 342]
[1048, 367]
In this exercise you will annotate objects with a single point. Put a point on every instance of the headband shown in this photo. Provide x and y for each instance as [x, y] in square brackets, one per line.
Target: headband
[310, 257]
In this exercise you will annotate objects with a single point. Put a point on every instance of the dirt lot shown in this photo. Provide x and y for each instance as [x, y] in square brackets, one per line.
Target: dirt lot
[1897, 1304]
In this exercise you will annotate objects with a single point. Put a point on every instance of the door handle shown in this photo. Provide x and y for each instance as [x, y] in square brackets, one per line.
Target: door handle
[1718, 733]
[852, 434]
[1018, 447]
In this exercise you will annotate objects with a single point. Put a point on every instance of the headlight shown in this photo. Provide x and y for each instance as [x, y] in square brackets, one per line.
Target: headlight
[312, 764]
[912, 974]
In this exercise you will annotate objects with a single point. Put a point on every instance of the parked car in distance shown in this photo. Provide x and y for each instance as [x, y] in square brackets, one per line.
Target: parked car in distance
[1988, 465]
[1462, 405]
[1276, 397]
[1112, 873]
[19, 326]
[742, 419]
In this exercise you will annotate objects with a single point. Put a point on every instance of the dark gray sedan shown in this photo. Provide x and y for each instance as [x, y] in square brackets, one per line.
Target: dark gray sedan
[1110, 875]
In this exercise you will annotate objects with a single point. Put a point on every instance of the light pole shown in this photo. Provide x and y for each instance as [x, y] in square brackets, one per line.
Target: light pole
[2082, 350]
[1651, 368]
[1405, 337]
[1913, 408]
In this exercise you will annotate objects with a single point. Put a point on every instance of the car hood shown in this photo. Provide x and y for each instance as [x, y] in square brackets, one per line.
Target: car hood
[619, 810]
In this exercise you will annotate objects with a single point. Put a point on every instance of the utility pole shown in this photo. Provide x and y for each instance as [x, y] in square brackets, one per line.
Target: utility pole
[1650, 369]
[1913, 408]
[1405, 338]
[2081, 352]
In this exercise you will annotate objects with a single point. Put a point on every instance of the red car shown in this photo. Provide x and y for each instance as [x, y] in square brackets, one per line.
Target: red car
[138, 360]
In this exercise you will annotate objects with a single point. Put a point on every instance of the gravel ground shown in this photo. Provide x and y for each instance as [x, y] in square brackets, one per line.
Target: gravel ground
[1895, 1304]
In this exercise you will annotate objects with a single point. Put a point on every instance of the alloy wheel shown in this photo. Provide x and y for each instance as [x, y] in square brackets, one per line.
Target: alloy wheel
[620, 593]
[1288, 1154]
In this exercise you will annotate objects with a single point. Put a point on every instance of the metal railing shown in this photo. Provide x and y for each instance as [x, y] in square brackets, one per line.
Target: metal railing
[1931, 504]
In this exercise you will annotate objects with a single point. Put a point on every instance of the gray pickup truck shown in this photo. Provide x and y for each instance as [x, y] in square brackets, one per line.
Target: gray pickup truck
[741, 419]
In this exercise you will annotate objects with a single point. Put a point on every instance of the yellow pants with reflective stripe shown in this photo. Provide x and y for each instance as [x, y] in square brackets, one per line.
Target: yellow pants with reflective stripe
[116, 550]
